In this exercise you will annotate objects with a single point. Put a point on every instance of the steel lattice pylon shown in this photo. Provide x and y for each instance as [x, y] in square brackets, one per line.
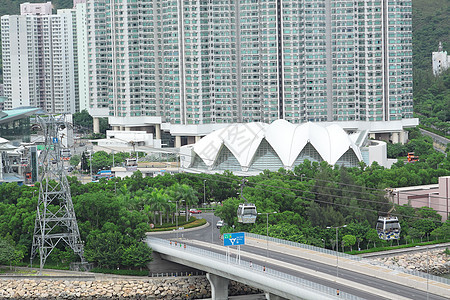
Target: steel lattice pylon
[55, 217]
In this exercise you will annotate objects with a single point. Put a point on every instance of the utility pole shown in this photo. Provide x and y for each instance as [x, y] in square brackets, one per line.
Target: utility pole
[54, 225]
[204, 191]
[267, 230]
[337, 247]
[90, 161]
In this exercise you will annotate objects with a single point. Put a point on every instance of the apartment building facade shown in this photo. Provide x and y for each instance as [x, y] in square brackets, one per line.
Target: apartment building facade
[197, 62]
[38, 59]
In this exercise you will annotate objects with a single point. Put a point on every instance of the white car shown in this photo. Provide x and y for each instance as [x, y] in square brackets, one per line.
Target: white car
[219, 224]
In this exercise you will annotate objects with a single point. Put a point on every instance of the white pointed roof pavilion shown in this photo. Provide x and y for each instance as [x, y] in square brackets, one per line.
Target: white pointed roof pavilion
[287, 140]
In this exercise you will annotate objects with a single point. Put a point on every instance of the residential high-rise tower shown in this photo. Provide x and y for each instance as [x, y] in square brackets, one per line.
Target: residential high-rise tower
[38, 59]
[194, 62]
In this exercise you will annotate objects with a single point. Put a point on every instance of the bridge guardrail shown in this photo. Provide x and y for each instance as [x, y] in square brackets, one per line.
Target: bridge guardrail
[202, 253]
[351, 257]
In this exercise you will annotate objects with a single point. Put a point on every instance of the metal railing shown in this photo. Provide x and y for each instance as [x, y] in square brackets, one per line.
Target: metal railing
[351, 257]
[245, 265]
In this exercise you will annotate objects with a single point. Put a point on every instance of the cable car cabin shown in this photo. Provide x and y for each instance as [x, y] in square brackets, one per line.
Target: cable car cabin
[246, 213]
[412, 158]
[388, 228]
[131, 162]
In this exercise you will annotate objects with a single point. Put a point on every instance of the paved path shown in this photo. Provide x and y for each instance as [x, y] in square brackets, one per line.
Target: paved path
[362, 267]
[416, 249]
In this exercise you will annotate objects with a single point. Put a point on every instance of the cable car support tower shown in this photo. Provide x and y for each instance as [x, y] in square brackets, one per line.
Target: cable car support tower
[55, 216]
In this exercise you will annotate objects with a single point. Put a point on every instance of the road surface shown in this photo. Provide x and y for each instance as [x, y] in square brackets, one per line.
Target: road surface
[277, 260]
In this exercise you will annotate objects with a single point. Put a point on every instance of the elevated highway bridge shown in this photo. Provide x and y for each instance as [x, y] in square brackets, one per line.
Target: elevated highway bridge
[286, 270]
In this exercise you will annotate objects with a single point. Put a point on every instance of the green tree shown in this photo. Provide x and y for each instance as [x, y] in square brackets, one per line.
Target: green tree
[104, 248]
[228, 211]
[75, 160]
[349, 240]
[101, 161]
[83, 120]
[372, 236]
[7, 254]
[184, 192]
[158, 202]
[18, 257]
[97, 207]
[285, 231]
[415, 233]
[442, 232]
[429, 213]
[424, 226]
[396, 150]
[137, 255]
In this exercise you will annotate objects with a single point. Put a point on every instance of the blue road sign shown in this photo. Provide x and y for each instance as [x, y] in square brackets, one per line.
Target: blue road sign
[234, 239]
[55, 140]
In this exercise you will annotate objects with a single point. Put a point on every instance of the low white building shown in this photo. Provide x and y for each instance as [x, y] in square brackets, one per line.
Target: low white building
[250, 148]
[127, 139]
[148, 169]
[376, 151]
[441, 61]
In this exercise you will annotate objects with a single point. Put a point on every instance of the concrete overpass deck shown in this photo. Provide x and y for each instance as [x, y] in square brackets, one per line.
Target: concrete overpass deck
[362, 266]
[363, 277]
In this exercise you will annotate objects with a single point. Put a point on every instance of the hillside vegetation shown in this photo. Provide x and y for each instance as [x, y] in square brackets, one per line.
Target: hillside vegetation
[430, 26]
[431, 94]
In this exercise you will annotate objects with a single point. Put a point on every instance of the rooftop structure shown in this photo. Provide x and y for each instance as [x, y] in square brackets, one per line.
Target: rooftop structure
[253, 147]
[36, 9]
[15, 124]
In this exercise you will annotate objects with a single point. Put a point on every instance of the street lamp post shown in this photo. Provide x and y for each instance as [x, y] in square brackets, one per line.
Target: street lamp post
[267, 230]
[204, 191]
[90, 162]
[212, 226]
[337, 247]
[176, 215]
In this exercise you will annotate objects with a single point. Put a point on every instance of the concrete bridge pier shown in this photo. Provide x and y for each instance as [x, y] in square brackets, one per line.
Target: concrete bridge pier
[219, 286]
[270, 296]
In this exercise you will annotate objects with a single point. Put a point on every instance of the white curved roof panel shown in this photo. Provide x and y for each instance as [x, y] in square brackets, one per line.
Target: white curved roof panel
[340, 141]
[287, 140]
[320, 140]
[208, 147]
[300, 138]
[280, 136]
[243, 140]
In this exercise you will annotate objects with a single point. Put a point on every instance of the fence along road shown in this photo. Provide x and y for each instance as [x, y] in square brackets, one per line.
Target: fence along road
[262, 277]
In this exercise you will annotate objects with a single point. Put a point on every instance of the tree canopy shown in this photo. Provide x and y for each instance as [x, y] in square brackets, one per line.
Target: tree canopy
[114, 215]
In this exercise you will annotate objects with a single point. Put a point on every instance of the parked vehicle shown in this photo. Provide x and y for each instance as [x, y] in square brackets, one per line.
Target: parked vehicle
[195, 211]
